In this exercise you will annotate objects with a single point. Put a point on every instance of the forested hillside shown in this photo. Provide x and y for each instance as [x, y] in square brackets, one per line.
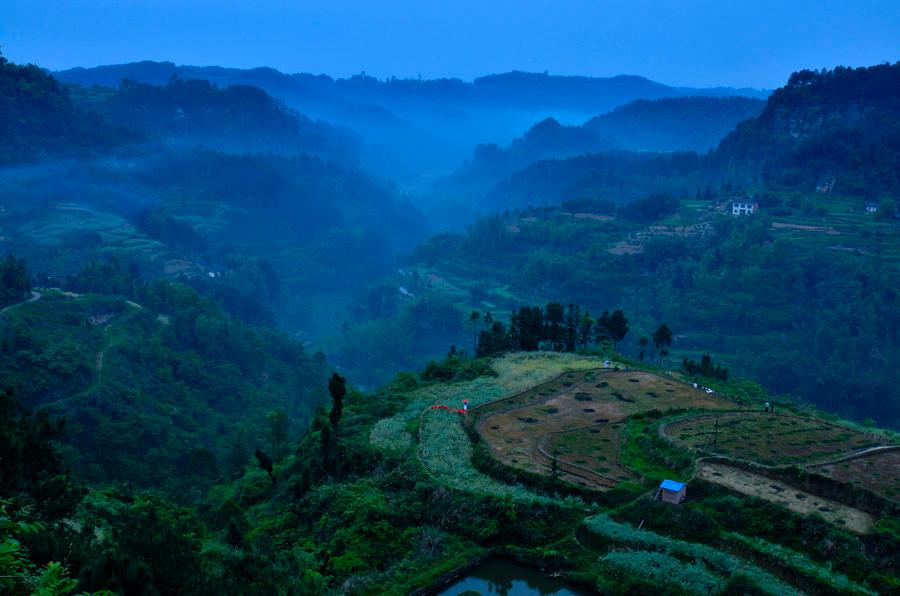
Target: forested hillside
[38, 119]
[238, 119]
[266, 234]
[261, 233]
[533, 169]
[158, 386]
[491, 163]
[802, 299]
[832, 129]
[675, 123]
[838, 127]
[617, 176]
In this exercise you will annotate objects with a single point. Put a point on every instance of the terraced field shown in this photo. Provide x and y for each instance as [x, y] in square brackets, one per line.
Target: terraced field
[878, 472]
[799, 501]
[441, 443]
[770, 439]
[78, 235]
[577, 419]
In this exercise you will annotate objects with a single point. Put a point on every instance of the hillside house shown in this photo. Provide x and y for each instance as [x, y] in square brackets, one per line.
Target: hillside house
[671, 491]
[743, 208]
[871, 207]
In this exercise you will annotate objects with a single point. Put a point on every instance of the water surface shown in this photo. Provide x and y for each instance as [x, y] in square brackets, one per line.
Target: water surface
[508, 578]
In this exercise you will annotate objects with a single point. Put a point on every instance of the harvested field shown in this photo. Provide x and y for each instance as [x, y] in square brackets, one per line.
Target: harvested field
[804, 228]
[576, 418]
[771, 439]
[804, 503]
[594, 447]
[878, 472]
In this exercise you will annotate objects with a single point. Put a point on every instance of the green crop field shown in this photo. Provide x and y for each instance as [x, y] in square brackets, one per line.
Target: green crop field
[771, 439]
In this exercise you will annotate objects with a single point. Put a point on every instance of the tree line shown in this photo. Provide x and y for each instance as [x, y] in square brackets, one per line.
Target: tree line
[705, 368]
[557, 328]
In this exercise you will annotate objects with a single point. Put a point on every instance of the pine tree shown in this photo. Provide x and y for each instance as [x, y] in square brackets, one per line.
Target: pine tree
[617, 326]
[662, 339]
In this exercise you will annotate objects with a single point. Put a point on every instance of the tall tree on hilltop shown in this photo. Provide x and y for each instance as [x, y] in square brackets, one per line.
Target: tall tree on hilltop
[493, 340]
[617, 327]
[554, 318]
[526, 328]
[662, 339]
[585, 329]
[601, 329]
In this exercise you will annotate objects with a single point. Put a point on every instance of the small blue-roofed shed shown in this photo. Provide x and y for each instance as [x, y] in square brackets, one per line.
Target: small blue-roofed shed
[672, 491]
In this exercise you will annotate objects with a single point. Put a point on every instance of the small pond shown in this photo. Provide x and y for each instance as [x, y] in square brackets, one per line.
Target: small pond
[503, 577]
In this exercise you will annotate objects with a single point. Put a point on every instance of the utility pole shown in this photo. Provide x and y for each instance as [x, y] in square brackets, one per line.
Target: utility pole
[716, 435]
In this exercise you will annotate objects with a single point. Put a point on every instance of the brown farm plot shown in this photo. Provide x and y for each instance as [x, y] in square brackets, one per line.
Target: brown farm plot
[878, 471]
[577, 418]
[770, 439]
[777, 492]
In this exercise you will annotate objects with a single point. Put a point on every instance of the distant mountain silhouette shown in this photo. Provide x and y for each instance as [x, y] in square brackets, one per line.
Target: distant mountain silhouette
[419, 128]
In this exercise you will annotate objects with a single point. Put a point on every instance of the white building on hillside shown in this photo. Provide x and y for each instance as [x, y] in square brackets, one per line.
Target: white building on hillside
[743, 208]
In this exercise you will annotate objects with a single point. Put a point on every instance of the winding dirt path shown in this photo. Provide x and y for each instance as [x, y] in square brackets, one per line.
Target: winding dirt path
[35, 295]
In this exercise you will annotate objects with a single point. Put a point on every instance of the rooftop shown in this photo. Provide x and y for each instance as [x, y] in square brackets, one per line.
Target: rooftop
[671, 485]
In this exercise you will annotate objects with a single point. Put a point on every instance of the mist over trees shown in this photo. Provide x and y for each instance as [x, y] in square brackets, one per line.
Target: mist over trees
[215, 282]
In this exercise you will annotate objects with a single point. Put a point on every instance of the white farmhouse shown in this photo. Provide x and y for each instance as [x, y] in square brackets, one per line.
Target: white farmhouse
[743, 208]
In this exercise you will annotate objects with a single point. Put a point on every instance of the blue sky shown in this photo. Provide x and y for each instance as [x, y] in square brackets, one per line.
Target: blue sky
[688, 42]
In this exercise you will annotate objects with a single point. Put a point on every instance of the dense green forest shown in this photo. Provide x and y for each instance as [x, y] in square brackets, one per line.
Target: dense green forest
[159, 387]
[38, 119]
[839, 126]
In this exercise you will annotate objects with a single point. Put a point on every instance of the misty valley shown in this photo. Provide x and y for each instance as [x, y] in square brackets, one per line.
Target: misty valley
[285, 333]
